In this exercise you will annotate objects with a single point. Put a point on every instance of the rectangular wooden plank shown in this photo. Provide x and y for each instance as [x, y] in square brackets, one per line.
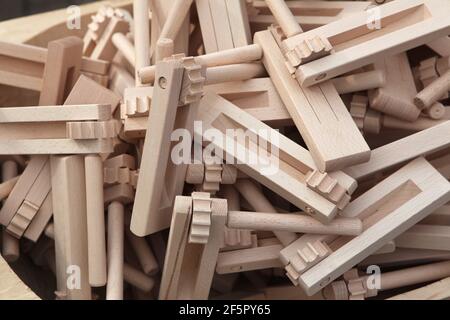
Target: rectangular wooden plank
[357, 41]
[318, 112]
[284, 171]
[69, 217]
[382, 225]
[145, 217]
[77, 112]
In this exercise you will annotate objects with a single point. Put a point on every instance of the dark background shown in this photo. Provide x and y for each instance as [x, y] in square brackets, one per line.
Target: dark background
[17, 8]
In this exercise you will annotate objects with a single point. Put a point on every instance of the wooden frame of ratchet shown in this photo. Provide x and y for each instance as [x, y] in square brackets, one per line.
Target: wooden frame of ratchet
[286, 172]
[23, 65]
[318, 112]
[77, 129]
[153, 203]
[389, 209]
[309, 14]
[189, 268]
[357, 40]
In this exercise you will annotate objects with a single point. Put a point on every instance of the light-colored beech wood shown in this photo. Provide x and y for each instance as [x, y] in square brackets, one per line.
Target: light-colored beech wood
[415, 275]
[292, 222]
[145, 219]
[55, 113]
[234, 238]
[435, 291]
[433, 92]
[284, 17]
[6, 187]
[234, 72]
[189, 268]
[160, 13]
[392, 218]
[137, 278]
[125, 47]
[10, 244]
[31, 204]
[360, 81]
[421, 143]
[87, 91]
[23, 66]
[55, 146]
[114, 287]
[357, 41]
[422, 236]
[141, 35]
[62, 69]
[164, 49]
[326, 126]
[12, 286]
[396, 97]
[256, 96]
[405, 257]
[277, 170]
[239, 55]
[175, 18]
[309, 14]
[21, 189]
[224, 24]
[95, 220]
[144, 253]
[249, 259]
[70, 221]
[254, 196]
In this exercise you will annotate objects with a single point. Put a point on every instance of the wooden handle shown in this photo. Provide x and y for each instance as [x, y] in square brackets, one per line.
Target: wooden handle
[6, 187]
[125, 47]
[259, 202]
[164, 49]
[431, 94]
[114, 287]
[137, 278]
[415, 275]
[284, 17]
[177, 15]
[141, 35]
[234, 72]
[292, 223]
[244, 54]
[143, 252]
[95, 220]
[360, 82]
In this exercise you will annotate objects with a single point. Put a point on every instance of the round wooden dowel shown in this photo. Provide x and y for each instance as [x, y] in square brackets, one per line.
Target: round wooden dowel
[6, 187]
[125, 47]
[50, 231]
[137, 278]
[239, 55]
[141, 35]
[436, 111]
[293, 223]
[143, 252]
[259, 202]
[114, 287]
[415, 275]
[95, 220]
[433, 92]
[360, 82]
[164, 49]
[284, 17]
[234, 72]
[177, 15]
